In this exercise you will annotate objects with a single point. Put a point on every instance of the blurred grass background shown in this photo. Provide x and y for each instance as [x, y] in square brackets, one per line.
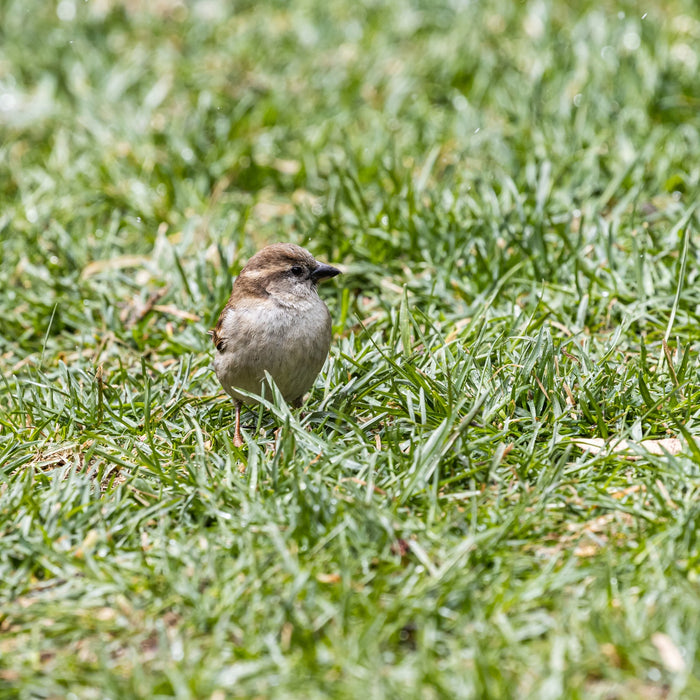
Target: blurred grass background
[511, 190]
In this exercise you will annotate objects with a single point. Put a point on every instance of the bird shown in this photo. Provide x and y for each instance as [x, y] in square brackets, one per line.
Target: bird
[274, 322]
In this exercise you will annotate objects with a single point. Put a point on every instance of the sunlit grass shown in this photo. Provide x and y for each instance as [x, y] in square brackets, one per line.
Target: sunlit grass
[511, 192]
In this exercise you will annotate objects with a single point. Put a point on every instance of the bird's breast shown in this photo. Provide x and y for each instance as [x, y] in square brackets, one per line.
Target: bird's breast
[288, 340]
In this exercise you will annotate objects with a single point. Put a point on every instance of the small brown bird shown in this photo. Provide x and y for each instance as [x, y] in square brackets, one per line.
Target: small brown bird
[274, 321]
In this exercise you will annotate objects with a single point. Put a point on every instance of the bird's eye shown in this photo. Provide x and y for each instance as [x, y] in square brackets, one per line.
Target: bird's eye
[296, 270]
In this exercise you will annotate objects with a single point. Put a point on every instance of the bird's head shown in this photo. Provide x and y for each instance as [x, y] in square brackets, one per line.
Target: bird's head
[283, 269]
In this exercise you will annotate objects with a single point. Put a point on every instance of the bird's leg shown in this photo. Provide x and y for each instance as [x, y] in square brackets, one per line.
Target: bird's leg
[297, 404]
[237, 437]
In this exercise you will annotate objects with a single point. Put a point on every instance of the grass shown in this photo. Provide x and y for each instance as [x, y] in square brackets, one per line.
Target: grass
[511, 190]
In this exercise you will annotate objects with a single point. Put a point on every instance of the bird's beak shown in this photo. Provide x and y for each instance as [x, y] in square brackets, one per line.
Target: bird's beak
[323, 272]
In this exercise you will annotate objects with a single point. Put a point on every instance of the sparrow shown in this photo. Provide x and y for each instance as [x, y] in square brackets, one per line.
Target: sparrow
[274, 321]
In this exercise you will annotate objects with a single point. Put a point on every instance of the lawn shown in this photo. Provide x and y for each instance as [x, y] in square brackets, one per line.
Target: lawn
[511, 191]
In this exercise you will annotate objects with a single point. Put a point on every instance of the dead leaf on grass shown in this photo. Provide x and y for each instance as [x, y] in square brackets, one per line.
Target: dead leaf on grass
[672, 446]
[116, 263]
[174, 311]
[137, 309]
[671, 656]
